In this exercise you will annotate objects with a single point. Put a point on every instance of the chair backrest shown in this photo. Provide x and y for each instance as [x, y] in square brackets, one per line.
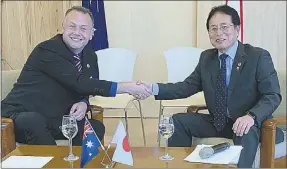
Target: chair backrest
[181, 61]
[116, 64]
[9, 77]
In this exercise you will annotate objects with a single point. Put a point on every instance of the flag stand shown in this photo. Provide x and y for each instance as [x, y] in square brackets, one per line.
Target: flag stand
[122, 153]
[103, 148]
[106, 154]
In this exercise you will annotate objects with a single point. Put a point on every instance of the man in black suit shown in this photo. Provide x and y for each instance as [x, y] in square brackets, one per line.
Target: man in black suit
[240, 86]
[56, 80]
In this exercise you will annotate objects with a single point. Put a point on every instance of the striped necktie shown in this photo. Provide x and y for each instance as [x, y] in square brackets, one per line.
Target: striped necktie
[78, 62]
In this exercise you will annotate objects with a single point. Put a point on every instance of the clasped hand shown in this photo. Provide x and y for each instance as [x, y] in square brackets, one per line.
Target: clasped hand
[144, 90]
[139, 90]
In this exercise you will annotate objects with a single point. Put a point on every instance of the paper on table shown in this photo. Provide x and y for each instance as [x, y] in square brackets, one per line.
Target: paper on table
[224, 157]
[25, 162]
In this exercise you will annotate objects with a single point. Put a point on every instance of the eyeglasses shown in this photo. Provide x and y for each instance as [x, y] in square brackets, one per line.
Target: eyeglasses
[223, 28]
[83, 29]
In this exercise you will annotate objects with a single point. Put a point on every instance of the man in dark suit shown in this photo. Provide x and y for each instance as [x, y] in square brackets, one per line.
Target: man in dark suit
[240, 86]
[56, 80]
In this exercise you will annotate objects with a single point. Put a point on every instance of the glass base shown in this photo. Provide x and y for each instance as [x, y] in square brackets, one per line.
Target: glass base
[166, 158]
[71, 158]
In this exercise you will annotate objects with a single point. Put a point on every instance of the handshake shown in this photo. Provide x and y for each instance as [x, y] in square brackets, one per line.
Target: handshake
[140, 90]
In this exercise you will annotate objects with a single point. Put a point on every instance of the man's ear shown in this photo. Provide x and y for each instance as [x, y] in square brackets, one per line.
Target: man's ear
[93, 33]
[237, 28]
[62, 31]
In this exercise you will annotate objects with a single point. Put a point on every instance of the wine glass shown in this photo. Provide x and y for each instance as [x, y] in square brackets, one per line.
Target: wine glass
[166, 129]
[69, 130]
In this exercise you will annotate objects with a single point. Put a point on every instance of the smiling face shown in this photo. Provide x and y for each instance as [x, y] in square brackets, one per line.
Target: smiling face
[222, 32]
[77, 30]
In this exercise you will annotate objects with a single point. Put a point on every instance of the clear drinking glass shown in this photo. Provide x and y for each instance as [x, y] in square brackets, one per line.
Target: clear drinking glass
[69, 130]
[166, 129]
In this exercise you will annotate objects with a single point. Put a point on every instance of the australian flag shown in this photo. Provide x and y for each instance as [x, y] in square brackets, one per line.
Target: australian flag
[90, 144]
[100, 39]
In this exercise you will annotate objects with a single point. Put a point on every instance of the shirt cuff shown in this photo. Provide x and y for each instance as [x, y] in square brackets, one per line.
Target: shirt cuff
[85, 100]
[155, 89]
[113, 90]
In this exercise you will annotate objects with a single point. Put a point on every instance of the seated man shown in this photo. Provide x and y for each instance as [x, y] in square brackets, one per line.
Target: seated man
[56, 80]
[240, 86]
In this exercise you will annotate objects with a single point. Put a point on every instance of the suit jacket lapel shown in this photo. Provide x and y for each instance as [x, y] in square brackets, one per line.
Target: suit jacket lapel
[237, 67]
[214, 66]
[87, 60]
[58, 46]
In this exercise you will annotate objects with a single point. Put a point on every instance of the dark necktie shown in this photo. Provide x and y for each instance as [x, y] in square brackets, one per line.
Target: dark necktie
[221, 96]
[78, 63]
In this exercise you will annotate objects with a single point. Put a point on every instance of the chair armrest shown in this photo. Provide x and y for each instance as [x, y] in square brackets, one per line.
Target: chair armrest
[196, 108]
[268, 136]
[96, 113]
[6, 120]
[8, 136]
[271, 124]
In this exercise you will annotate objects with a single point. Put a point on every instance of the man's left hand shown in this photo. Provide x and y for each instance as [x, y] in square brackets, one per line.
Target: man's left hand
[79, 110]
[242, 125]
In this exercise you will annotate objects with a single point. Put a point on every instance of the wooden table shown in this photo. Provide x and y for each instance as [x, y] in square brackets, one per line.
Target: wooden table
[148, 157]
[144, 157]
[58, 152]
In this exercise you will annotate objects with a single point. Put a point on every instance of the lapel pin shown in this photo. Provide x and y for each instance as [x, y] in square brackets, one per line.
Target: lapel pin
[238, 66]
[88, 65]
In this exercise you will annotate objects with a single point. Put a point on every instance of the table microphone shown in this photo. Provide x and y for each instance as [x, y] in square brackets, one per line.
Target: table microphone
[207, 152]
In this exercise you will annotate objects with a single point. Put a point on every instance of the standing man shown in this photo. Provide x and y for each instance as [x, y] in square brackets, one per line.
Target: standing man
[56, 80]
[240, 86]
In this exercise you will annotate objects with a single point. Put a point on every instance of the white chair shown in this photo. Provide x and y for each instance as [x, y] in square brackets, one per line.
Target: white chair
[117, 65]
[181, 61]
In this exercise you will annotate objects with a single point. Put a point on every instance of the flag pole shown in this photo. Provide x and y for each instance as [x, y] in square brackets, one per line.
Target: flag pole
[106, 154]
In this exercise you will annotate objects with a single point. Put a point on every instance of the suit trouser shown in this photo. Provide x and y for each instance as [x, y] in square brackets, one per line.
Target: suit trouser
[33, 128]
[188, 125]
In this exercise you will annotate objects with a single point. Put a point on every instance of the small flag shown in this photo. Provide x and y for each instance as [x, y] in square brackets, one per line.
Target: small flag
[90, 144]
[122, 153]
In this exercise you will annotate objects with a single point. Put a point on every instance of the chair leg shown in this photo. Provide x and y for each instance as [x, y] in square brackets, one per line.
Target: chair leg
[126, 119]
[159, 114]
[141, 114]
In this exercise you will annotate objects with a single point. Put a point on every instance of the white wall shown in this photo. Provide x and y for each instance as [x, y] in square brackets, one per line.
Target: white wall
[149, 28]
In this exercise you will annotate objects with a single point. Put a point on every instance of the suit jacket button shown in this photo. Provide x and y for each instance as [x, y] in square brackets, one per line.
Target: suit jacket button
[91, 77]
[88, 65]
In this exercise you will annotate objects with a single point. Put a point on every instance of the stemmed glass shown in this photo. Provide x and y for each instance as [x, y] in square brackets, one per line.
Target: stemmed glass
[69, 130]
[166, 129]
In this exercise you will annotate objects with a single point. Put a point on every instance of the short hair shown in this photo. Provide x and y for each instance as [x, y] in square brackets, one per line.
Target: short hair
[225, 9]
[81, 9]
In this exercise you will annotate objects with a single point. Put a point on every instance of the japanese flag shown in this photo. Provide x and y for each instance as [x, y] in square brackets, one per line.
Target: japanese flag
[122, 153]
[238, 6]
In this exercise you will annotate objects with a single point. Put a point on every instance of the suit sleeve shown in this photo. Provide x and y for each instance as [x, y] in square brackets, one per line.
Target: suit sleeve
[268, 86]
[191, 85]
[66, 74]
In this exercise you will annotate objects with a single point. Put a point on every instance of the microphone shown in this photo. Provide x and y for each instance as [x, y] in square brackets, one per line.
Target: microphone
[207, 152]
